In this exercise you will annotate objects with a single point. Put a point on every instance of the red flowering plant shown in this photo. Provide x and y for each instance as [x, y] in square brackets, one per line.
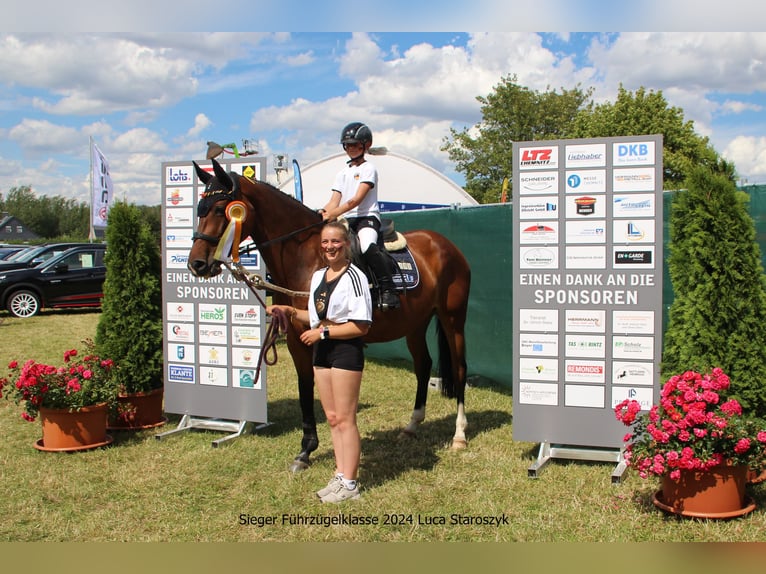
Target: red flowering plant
[694, 427]
[83, 380]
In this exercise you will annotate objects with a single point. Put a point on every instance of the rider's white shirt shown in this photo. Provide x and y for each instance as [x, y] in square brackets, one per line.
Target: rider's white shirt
[347, 182]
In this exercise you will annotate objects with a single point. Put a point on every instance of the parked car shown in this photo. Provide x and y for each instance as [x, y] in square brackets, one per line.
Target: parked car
[7, 251]
[73, 278]
[36, 255]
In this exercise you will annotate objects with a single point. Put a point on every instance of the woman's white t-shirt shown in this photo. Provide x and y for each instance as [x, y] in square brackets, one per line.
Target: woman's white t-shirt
[349, 301]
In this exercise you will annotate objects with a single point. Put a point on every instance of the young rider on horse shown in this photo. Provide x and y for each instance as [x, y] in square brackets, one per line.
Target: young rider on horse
[355, 194]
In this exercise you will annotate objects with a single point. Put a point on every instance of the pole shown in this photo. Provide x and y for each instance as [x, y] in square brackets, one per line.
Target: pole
[91, 230]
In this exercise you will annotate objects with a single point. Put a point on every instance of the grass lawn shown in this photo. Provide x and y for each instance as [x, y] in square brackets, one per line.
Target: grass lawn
[180, 489]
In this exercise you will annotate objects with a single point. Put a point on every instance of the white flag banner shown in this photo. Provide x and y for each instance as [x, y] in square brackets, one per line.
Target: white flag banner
[103, 191]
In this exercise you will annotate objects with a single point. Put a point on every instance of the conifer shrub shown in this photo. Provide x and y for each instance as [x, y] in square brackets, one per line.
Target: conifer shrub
[718, 314]
[130, 328]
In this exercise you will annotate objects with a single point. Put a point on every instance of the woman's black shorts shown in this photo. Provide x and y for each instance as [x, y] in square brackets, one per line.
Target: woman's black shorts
[346, 354]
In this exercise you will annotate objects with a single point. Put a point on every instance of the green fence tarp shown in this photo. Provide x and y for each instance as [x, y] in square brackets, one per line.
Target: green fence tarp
[484, 235]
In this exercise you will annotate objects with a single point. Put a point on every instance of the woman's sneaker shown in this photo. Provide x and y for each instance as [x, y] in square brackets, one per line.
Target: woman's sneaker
[322, 492]
[339, 493]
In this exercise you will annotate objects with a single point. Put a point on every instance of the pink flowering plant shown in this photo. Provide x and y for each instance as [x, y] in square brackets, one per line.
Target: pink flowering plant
[694, 427]
[83, 380]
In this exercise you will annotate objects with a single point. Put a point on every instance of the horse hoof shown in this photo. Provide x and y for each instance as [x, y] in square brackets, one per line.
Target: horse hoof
[407, 435]
[298, 466]
[459, 444]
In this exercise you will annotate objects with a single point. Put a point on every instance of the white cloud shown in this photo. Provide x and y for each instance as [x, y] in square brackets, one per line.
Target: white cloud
[749, 155]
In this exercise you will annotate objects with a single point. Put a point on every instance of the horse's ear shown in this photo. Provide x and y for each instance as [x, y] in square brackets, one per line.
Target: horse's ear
[222, 176]
[203, 175]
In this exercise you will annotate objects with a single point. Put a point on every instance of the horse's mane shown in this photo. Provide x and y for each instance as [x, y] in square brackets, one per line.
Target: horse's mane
[280, 194]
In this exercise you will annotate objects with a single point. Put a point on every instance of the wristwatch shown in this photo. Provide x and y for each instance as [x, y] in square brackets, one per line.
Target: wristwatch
[324, 333]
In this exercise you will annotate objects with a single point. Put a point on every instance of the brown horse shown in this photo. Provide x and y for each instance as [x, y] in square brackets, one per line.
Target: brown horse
[287, 235]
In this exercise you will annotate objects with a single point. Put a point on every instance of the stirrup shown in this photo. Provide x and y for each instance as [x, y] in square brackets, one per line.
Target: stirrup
[389, 300]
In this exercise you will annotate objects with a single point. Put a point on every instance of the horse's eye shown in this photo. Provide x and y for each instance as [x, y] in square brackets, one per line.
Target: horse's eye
[220, 211]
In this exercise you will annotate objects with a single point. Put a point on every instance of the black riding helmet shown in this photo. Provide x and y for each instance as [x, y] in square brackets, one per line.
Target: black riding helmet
[356, 132]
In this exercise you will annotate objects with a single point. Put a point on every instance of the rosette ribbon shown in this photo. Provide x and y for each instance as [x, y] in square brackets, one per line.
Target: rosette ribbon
[229, 244]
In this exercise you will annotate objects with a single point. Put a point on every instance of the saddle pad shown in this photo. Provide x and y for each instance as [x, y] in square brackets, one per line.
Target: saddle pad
[408, 276]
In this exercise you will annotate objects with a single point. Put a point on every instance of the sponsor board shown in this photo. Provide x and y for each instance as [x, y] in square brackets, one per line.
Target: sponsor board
[585, 257]
[539, 257]
[586, 181]
[539, 320]
[536, 183]
[593, 346]
[538, 393]
[630, 373]
[542, 345]
[588, 396]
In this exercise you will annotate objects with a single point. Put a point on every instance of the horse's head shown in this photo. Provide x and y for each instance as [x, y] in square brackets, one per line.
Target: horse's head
[220, 189]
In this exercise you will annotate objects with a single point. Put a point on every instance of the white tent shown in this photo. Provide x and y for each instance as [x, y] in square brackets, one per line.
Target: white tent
[404, 182]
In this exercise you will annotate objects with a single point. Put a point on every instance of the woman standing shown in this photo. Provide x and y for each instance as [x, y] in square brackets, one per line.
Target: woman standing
[338, 316]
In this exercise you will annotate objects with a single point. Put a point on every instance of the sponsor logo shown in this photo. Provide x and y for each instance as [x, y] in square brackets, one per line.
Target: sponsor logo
[633, 153]
[180, 373]
[537, 158]
[625, 257]
[585, 205]
[538, 183]
[539, 257]
[179, 175]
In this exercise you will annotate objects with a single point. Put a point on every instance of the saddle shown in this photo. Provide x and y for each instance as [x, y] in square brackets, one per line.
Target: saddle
[404, 270]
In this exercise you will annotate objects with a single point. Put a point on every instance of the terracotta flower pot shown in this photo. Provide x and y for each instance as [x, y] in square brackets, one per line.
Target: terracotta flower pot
[139, 411]
[715, 493]
[65, 430]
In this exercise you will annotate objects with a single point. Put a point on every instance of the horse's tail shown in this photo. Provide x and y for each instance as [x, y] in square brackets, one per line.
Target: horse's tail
[446, 372]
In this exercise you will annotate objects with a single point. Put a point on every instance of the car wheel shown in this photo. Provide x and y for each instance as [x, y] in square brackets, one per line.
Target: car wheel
[23, 304]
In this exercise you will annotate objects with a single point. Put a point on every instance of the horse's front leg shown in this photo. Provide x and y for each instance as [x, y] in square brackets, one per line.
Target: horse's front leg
[310, 441]
[416, 343]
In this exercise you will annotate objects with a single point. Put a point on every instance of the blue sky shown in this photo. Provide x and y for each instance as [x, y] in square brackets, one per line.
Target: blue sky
[160, 95]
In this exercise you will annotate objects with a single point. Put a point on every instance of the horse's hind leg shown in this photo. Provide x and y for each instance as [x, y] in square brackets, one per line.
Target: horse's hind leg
[416, 343]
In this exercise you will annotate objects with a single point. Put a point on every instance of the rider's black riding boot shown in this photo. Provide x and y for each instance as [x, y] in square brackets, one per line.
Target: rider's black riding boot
[377, 263]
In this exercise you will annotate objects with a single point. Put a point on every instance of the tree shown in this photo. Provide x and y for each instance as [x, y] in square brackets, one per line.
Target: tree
[646, 113]
[718, 314]
[129, 330]
[510, 113]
